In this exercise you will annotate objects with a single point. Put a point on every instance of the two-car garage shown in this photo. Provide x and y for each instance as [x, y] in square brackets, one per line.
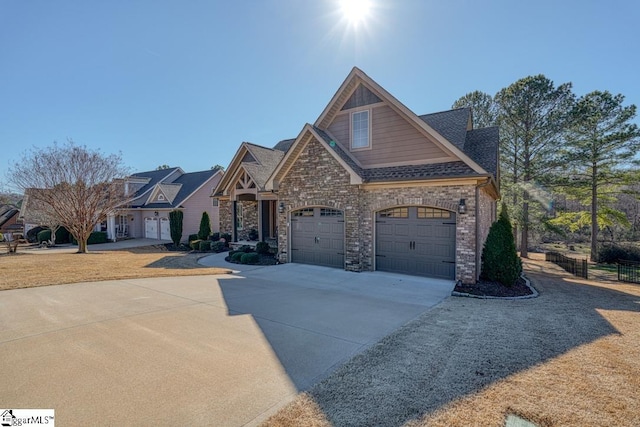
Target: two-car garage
[416, 240]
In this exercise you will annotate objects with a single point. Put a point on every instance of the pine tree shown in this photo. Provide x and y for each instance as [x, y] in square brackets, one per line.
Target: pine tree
[175, 226]
[205, 227]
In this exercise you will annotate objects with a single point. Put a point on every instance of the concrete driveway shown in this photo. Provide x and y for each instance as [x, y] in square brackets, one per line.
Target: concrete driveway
[205, 350]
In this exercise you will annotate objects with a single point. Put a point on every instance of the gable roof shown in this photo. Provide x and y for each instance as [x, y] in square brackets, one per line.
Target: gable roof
[182, 188]
[7, 212]
[357, 77]
[152, 178]
[259, 165]
[451, 124]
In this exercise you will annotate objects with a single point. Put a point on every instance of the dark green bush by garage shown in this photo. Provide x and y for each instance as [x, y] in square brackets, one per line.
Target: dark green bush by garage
[262, 248]
[500, 261]
[250, 258]
[194, 245]
[237, 257]
[193, 237]
[218, 246]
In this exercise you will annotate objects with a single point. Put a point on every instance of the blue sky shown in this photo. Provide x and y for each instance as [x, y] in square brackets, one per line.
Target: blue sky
[183, 83]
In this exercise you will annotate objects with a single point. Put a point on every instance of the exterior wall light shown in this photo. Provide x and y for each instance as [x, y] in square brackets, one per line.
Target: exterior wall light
[281, 207]
[156, 213]
[462, 207]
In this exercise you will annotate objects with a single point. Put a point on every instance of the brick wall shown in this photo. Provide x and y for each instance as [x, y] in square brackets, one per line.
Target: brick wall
[486, 217]
[250, 221]
[317, 179]
[225, 217]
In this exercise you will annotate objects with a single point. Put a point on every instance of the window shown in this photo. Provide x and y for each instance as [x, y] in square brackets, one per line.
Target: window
[330, 212]
[303, 212]
[161, 197]
[360, 129]
[239, 217]
[214, 202]
[433, 213]
[395, 213]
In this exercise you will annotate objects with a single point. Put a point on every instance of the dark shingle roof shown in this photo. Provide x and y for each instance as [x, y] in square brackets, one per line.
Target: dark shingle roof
[430, 171]
[482, 146]
[451, 124]
[154, 177]
[267, 158]
[188, 183]
[284, 145]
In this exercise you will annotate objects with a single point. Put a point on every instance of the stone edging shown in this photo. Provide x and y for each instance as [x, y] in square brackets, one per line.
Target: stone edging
[534, 293]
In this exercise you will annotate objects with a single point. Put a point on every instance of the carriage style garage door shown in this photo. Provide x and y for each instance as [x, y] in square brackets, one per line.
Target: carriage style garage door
[416, 240]
[165, 230]
[151, 228]
[317, 237]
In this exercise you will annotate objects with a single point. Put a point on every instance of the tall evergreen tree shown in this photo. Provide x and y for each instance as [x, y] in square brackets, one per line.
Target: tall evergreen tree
[205, 227]
[175, 226]
[533, 114]
[483, 107]
[601, 145]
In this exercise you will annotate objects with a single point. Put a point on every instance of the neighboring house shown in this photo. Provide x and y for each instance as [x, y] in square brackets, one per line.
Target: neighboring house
[155, 194]
[370, 186]
[9, 223]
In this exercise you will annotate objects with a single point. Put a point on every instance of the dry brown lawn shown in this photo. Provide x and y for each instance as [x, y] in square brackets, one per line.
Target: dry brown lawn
[27, 269]
[583, 372]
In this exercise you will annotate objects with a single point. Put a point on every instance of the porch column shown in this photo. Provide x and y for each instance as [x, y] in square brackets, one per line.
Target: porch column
[234, 219]
[111, 227]
[260, 222]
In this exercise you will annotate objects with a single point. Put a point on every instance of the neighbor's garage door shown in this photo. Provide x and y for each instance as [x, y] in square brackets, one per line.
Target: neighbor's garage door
[416, 240]
[317, 237]
[151, 228]
[165, 230]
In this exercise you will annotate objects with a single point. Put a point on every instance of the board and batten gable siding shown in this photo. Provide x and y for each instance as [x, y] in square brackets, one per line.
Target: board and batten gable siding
[199, 202]
[394, 140]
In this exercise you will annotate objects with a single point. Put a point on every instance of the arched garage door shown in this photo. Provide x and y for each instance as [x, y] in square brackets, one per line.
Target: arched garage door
[317, 237]
[416, 240]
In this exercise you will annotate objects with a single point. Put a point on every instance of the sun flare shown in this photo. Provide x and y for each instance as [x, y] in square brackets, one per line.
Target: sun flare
[355, 11]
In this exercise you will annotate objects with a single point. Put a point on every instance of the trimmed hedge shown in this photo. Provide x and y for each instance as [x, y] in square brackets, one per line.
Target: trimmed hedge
[250, 258]
[32, 235]
[237, 257]
[262, 248]
[215, 236]
[218, 246]
[226, 237]
[94, 238]
[193, 237]
[194, 245]
[205, 246]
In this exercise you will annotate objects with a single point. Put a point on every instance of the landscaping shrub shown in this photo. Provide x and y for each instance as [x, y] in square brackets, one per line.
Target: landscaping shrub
[253, 234]
[237, 257]
[63, 235]
[245, 248]
[226, 237]
[262, 248]
[32, 235]
[215, 236]
[195, 245]
[175, 226]
[218, 246]
[205, 227]
[500, 261]
[205, 245]
[44, 236]
[193, 237]
[250, 258]
[94, 238]
[610, 254]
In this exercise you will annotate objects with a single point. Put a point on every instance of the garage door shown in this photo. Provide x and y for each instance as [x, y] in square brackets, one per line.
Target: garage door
[416, 240]
[151, 228]
[165, 231]
[317, 237]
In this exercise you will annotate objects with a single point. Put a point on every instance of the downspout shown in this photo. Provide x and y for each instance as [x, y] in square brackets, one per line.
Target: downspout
[478, 248]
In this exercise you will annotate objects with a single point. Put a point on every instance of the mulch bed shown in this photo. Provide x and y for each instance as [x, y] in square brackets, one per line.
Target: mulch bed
[495, 289]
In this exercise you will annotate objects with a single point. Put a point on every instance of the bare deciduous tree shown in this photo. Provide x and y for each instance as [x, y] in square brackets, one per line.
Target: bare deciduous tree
[77, 186]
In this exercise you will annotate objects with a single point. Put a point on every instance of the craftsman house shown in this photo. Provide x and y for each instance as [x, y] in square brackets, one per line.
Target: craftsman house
[158, 192]
[370, 186]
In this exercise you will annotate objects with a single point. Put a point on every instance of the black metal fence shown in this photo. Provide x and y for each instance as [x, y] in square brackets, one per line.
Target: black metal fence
[577, 267]
[628, 271]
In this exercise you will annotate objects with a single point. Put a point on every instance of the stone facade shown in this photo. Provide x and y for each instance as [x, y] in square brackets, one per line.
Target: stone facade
[317, 179]
[250, 219]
